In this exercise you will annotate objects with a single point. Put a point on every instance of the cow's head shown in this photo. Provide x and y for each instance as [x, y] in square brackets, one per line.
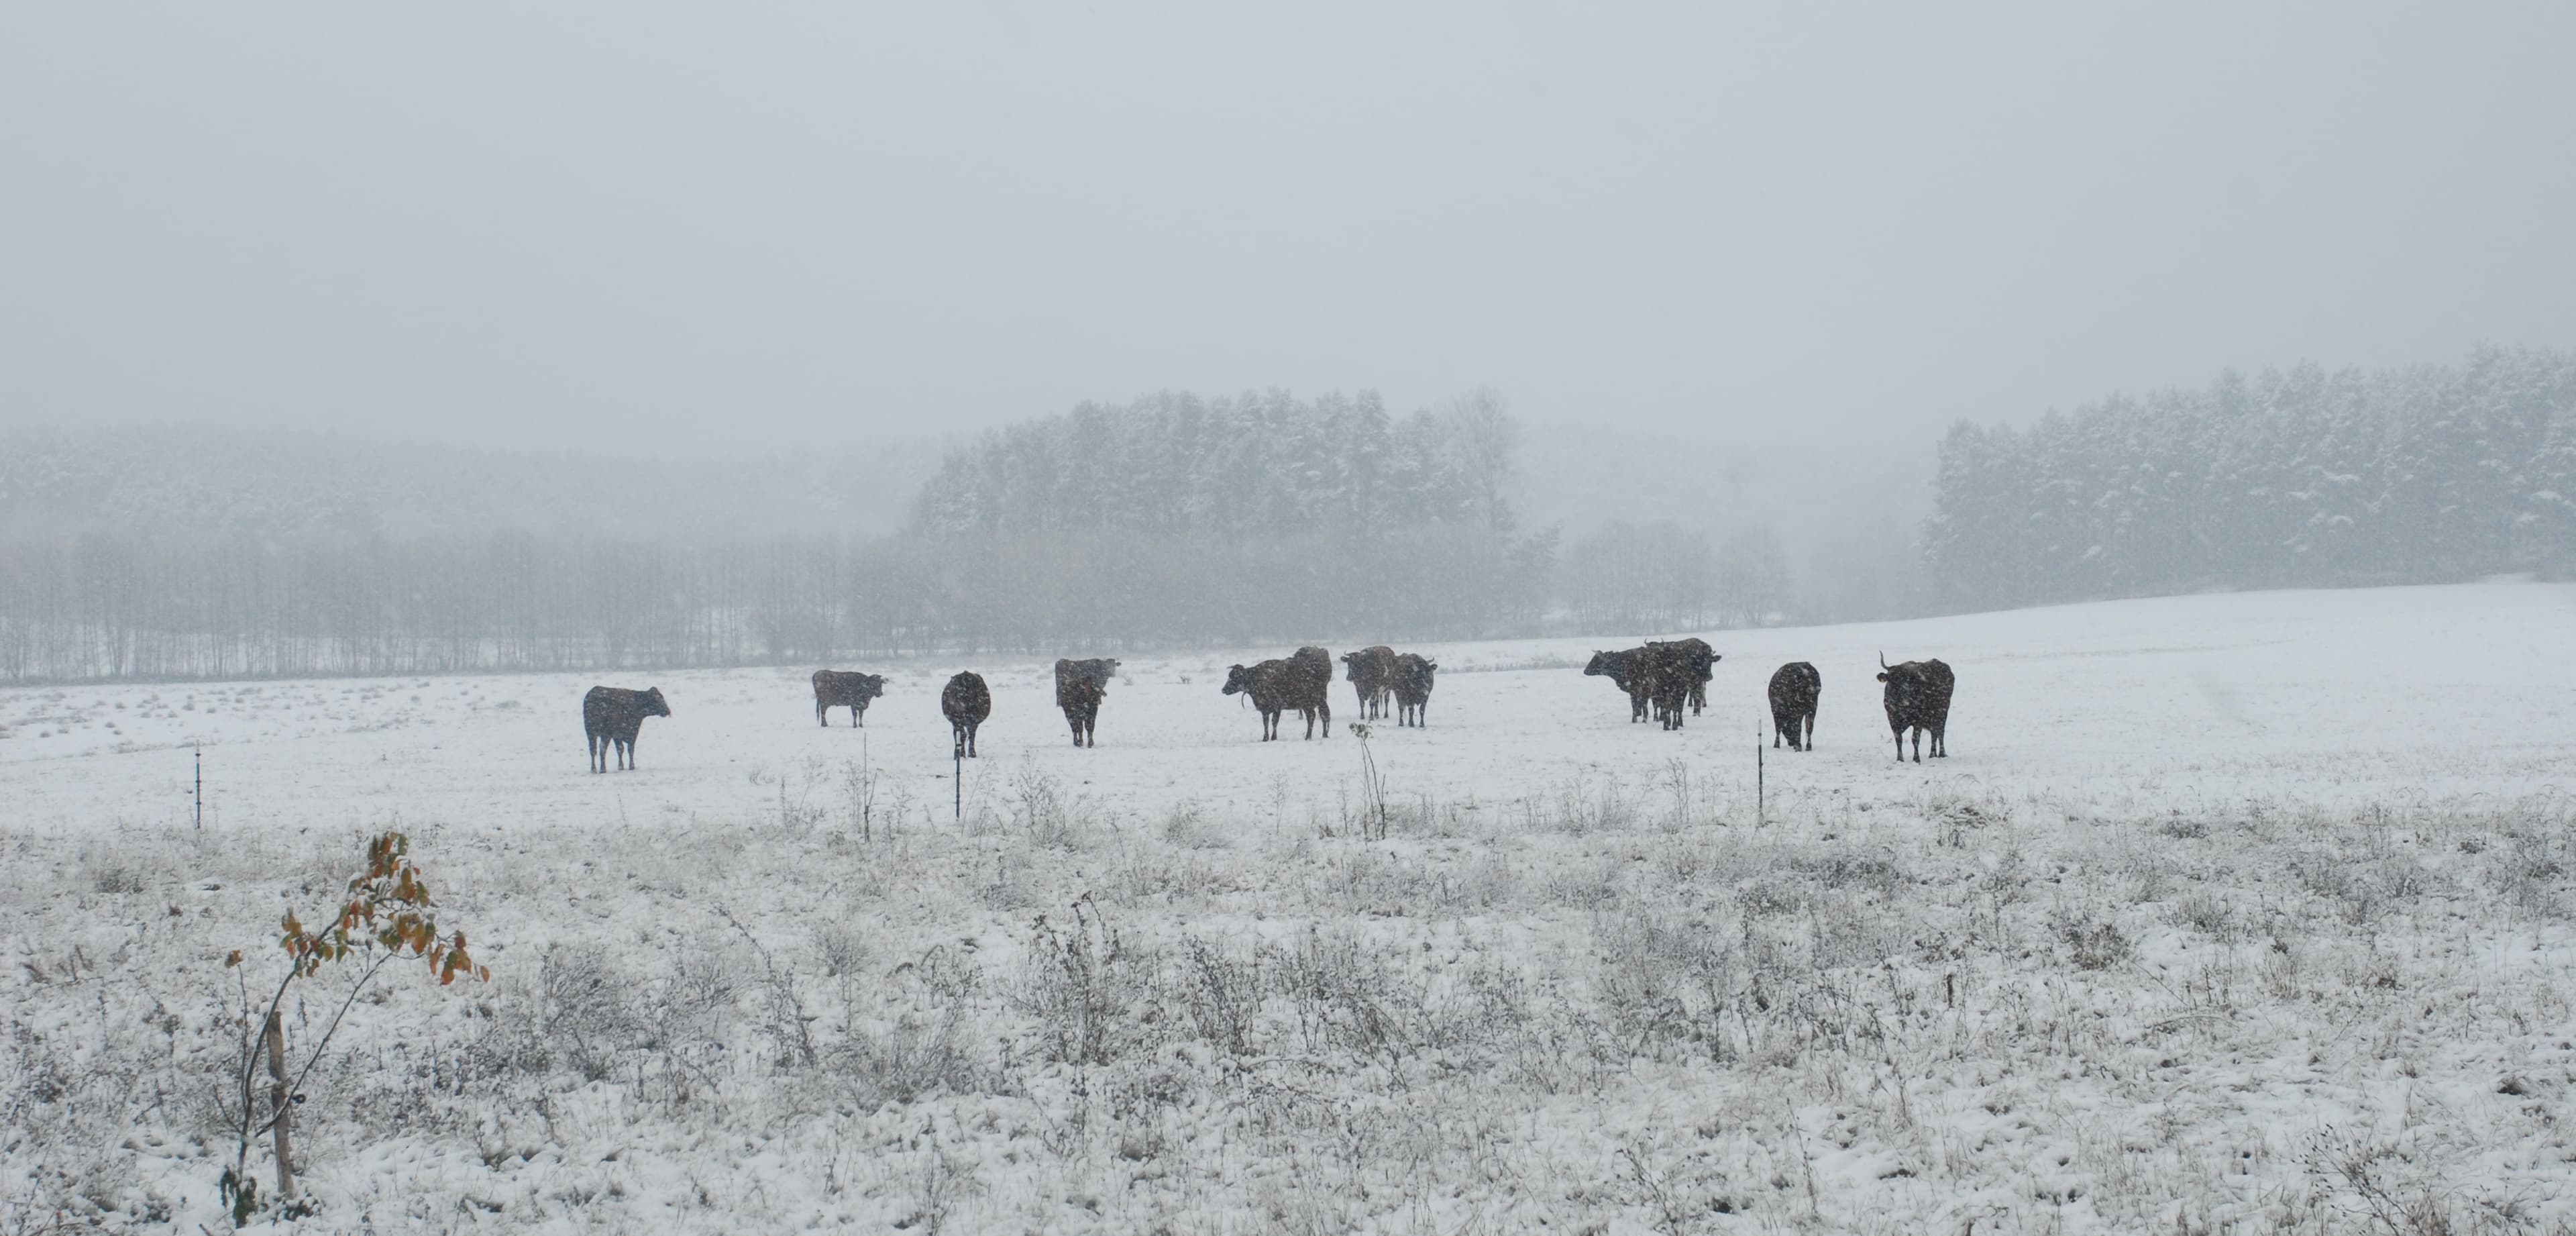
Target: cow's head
[1352, 659]
[1601, 663]
[1422, 672]
[654, 705]
[871, 686]
[1237, 679]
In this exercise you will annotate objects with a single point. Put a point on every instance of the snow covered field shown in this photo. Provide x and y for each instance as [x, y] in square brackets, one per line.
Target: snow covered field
[2228, 913]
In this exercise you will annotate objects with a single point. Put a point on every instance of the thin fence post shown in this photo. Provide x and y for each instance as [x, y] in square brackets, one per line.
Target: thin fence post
[1758, 812]
[282, 1103]
[957, 778]
[198, 795]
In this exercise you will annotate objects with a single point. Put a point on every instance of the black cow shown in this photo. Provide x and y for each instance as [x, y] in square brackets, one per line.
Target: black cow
[1372, 673]
[967, 701]
[1794, 688]
[1621, 669]
[1268, 684]
[1918, 699]
[1412, 686]
[1664, 674]
[1079, 688]
[837, 689]
[1312, 693]
[612, 716]
[1303, 682]
[1703, 661]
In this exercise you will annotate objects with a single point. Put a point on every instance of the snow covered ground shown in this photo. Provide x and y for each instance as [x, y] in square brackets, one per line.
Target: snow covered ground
[2236, 912]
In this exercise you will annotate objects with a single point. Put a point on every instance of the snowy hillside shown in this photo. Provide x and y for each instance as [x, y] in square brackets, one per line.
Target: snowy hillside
[2232, 912]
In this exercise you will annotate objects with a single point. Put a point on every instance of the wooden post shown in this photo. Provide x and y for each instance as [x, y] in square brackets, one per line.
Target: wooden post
[279, 1101]
[1757, 774]
[200, 792]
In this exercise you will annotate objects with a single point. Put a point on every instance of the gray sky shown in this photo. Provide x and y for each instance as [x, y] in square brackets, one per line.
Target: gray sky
[710, 227]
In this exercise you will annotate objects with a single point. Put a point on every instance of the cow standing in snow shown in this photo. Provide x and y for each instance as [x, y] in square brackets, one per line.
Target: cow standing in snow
[611, 717]
[967, 702]
[1621, 668]
[1794, 690]
[1079, 688]
[837, 689]
[1703, 664]
[1412, 686]
[1303, 681]
[1918, 699]
[1372, 676]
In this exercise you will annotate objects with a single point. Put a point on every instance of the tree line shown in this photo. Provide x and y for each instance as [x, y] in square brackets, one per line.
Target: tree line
[1173, 521]
[2422, 474]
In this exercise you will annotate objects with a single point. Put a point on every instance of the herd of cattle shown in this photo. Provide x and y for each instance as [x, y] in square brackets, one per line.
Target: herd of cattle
[1660, 678]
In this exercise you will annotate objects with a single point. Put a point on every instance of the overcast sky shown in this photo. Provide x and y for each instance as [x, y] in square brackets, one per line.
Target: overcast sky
[697, 227]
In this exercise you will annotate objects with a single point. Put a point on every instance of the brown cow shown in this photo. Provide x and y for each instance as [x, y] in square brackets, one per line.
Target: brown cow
[835, 689]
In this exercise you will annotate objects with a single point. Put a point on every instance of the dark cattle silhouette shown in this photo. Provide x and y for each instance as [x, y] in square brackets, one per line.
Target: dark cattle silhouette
[1664, 674]
[967, 701]
[1703, 661]
[1313, 689]
[1079, 688]
[1918, 699]
[1302, 682]
[1794, 688]
[1621, 669]
[1372, 675]
[612, 716]
[1412, 686]
[1268, 683]
[839, 689]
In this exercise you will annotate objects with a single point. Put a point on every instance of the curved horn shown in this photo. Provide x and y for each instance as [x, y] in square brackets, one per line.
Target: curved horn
[1882, 659]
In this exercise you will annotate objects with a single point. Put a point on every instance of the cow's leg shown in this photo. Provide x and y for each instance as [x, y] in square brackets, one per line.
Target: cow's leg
[593, 741]
[1940, 745]
[1327, 710]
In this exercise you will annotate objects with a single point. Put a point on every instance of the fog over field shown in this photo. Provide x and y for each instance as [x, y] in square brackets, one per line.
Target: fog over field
[2162, 422]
